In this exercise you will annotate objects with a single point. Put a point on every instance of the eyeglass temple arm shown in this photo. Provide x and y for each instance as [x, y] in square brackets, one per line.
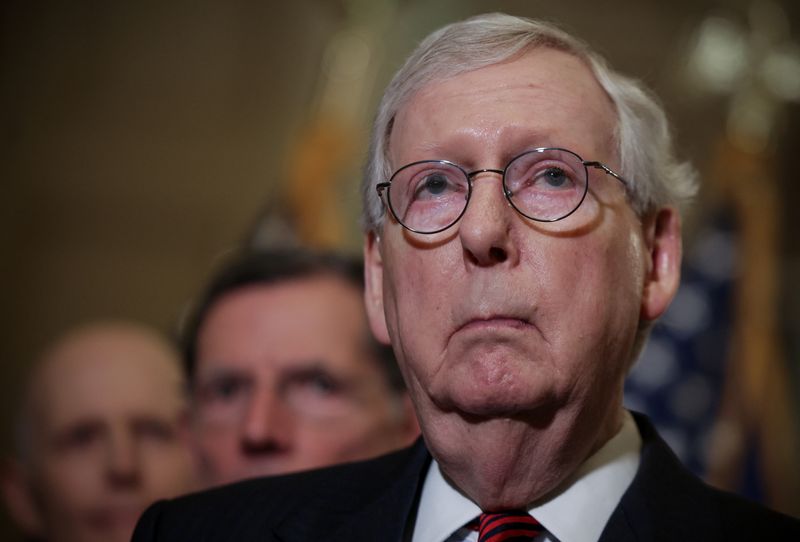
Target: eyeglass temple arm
[600, 165]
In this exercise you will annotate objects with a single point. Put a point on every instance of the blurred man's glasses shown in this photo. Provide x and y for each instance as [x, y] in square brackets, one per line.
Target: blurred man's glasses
[543, 184]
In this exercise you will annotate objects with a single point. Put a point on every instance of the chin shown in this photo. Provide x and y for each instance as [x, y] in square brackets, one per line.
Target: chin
[514, 397]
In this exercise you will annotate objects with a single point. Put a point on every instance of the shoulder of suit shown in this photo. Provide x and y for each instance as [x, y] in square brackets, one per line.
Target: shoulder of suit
[747, 520]
[666, 498]
[262, 502]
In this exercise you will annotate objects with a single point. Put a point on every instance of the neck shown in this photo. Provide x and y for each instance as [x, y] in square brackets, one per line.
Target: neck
[510, 463]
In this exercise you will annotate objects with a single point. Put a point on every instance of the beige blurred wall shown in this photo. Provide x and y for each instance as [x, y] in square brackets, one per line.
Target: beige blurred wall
[140, 139]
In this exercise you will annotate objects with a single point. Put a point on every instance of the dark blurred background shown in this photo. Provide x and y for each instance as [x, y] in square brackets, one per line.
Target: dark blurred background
[141, 141]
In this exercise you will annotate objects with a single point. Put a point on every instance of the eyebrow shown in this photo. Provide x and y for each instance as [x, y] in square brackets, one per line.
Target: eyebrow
[91, 423]
[220, 369]
[310, 369]
[295, 369]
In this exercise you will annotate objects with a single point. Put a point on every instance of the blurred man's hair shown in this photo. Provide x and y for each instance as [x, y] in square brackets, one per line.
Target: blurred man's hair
[273, 266]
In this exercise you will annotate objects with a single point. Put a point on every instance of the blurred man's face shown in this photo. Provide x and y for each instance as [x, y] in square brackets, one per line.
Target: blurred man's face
[107, 438]
[510, 330]
[285, 382]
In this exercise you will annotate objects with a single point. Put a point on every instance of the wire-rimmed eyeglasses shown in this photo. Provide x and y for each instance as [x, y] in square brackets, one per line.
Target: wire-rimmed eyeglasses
[544, 184]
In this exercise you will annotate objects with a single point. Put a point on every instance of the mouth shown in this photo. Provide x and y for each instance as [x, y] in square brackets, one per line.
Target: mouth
[494, 322]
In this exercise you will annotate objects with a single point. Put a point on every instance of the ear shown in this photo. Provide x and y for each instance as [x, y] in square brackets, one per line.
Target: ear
[662, 232]
[373, 287]
[19, 499]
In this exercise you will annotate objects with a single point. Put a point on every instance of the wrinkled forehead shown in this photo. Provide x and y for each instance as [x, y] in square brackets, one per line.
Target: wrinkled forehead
[543, 90]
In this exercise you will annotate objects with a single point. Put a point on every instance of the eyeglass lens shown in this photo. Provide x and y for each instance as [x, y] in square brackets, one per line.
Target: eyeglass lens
[542, 184]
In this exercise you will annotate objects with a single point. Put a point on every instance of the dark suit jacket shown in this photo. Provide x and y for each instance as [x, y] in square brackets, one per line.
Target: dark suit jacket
[376, 501]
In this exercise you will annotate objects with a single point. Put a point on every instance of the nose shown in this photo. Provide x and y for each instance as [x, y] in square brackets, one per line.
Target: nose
[122, 461]
[267, 427]
[485, 228]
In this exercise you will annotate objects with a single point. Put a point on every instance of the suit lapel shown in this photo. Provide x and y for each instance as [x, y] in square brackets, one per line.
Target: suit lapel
[664, 501]
[363, 506]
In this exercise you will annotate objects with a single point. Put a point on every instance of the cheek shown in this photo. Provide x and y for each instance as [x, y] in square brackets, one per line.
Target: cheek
[169, 471]
[80, 475]
[220, 445]
[338, 437]
[599, 296]
[66, 489]
[215, 434]
[419, 287]
[623, 270]
[164, 455]
[320, 444]
[414, 272]
[606, 274]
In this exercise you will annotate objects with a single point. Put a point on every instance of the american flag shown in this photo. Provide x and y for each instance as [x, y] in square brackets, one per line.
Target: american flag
[679, 377]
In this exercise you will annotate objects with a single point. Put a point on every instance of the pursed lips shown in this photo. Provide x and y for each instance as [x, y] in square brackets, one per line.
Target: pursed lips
[497, 321]
[488, 314]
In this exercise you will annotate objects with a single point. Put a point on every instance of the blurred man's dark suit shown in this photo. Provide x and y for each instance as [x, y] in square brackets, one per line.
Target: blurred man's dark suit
[376, 500]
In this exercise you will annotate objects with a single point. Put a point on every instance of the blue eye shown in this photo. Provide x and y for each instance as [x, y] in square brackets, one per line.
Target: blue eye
[555, 177]
[435, 184]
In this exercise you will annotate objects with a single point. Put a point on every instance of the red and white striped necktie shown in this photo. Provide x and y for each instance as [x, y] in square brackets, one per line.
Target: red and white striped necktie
[507, 527]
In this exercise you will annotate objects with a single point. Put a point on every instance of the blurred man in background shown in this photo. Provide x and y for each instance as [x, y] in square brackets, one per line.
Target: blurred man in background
[100, 435]
[284, 373]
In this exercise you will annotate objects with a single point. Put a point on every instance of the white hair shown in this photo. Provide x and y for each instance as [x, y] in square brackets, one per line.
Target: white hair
[646, 154]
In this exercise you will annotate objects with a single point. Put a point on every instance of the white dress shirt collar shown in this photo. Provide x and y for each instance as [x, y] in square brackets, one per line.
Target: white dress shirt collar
[577, 514]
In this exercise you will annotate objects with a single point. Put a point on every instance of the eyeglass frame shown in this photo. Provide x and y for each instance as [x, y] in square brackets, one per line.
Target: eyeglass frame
[385, 185]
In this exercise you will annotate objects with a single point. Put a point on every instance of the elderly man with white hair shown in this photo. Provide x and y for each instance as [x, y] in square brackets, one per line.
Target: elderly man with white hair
[522, 206]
